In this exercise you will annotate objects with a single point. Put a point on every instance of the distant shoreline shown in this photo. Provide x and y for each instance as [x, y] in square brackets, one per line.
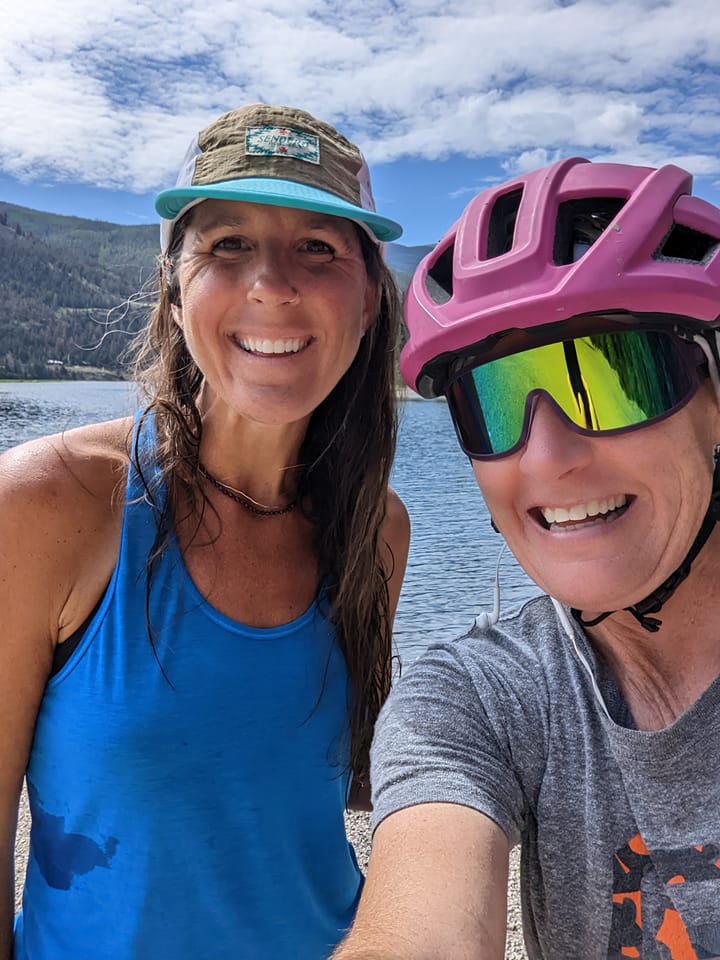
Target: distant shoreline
[76, 375]
[405, 393]
[402, 393]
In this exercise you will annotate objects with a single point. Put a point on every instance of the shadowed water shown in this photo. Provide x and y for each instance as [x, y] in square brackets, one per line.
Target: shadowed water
[453, 552]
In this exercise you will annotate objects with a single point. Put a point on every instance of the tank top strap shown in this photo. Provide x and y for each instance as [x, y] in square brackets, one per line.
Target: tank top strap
[144, 476]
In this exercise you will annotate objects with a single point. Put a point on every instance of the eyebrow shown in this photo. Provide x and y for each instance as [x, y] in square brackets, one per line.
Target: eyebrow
[319, 221]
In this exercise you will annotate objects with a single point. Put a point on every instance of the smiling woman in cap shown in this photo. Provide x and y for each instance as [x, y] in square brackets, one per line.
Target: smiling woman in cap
[198, 601]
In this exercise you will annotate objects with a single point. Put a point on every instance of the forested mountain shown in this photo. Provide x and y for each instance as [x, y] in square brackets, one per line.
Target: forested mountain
[68, 292]
[73, 291]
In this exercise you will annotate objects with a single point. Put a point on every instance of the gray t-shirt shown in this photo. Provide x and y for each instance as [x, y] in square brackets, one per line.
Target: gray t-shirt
[620, 828]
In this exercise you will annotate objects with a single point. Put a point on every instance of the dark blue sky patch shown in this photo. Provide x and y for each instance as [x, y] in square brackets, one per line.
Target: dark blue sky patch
[62, 856]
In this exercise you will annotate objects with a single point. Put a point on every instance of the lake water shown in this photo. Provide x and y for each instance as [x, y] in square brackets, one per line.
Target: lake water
[453, 551]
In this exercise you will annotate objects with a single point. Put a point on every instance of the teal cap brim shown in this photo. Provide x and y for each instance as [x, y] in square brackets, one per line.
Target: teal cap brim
[281, 193]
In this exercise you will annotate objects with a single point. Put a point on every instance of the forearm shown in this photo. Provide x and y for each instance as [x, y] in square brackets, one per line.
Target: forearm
[374, 947]
[346, 951]
[435, 940]
[410, 909]
[7, 911]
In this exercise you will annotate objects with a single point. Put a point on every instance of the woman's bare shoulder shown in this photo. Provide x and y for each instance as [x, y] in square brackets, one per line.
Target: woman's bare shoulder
[59, 493]
[60, 519]
[73, 465]
[397, 518]
[396, 535]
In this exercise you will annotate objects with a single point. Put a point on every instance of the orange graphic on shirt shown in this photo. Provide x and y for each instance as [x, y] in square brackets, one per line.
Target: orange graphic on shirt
[671, 938]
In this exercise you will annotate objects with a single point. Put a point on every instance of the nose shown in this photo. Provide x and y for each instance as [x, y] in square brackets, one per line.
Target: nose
[553, 448]
[271, 281]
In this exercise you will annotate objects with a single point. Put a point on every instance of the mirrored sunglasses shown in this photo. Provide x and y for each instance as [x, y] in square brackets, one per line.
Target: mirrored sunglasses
[601, 383]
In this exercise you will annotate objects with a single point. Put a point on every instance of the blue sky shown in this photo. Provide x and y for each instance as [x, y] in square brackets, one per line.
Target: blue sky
[99, 101]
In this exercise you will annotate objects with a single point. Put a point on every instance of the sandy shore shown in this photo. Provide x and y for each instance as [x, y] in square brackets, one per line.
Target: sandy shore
[21, 848]
[358, 829]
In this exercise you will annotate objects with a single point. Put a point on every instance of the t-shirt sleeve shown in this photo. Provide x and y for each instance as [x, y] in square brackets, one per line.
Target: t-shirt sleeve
[464, 725]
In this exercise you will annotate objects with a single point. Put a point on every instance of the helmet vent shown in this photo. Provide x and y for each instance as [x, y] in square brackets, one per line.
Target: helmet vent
[501, 230]
[686, 244]
[579, 224]
[439, 278]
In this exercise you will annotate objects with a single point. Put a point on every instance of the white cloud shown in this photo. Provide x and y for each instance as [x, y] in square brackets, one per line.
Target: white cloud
[111, 93]
[528, 160]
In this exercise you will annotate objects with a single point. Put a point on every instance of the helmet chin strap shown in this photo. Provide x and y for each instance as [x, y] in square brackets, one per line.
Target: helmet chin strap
[654, 601]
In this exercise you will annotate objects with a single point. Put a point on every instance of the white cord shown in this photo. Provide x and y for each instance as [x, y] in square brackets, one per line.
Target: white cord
[570, 631]
[485, 619]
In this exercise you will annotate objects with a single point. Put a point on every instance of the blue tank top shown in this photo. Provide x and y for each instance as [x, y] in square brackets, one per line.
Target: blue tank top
[195, 813]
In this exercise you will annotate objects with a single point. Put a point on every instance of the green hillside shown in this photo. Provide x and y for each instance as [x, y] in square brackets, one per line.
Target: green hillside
[69, 292]
[73, 291]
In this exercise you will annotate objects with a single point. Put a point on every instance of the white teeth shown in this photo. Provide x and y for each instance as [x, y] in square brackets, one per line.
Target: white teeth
[582, 511]
[253, 345]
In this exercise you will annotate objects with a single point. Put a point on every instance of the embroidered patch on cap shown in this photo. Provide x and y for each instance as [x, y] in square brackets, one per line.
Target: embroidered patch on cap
[282, 142]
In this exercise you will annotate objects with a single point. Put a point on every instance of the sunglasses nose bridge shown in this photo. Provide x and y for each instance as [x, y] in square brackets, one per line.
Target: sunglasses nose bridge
[543, 403]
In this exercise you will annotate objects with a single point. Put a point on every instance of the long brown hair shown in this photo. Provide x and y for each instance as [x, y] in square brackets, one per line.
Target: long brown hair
[348, 452]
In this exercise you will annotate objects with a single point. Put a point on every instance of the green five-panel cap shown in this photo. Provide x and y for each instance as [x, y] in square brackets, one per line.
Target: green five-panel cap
[275, 155]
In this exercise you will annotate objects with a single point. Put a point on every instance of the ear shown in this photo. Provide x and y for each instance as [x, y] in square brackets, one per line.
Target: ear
[371, 305]
[177, 314]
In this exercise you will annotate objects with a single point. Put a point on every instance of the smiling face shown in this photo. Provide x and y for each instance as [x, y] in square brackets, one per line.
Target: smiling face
[273, 304]
[600, 522]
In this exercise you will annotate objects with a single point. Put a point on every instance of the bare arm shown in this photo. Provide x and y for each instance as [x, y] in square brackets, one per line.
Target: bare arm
[25, 659]
[55, 525]
[436, 888]
[396, 536]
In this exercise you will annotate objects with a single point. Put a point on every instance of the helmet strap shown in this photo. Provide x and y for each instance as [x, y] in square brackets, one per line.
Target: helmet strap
[654, 601]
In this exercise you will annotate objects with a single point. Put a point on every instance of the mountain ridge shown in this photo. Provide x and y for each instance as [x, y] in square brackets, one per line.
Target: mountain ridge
[75, 291]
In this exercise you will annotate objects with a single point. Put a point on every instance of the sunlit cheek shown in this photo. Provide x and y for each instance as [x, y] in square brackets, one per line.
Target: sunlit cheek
[494, 483]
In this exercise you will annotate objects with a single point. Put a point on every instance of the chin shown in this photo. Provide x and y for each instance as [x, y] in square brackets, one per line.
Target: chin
[602, 583]
[594, 601]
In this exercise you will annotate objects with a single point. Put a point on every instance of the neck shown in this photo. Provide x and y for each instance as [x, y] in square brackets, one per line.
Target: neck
[262, 460]
[662, 674]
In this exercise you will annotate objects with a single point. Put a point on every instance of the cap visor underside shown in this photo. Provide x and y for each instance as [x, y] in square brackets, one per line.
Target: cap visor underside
[282, 193]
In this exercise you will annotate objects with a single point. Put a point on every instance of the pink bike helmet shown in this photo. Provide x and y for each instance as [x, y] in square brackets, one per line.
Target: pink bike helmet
[572, 238]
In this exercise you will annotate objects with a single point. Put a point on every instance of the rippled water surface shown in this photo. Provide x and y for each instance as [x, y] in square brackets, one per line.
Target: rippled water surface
[453, 553]
[30, 409]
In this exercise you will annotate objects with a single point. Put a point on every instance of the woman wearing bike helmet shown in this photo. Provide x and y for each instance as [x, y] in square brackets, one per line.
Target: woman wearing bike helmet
[570, 320]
